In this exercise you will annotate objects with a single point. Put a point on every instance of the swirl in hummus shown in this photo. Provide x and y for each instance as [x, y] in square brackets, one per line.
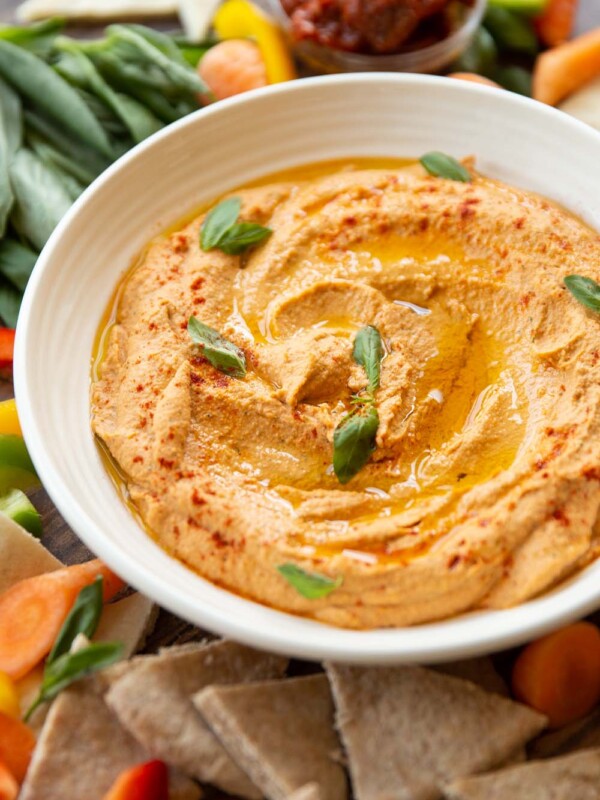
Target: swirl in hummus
[484, 486]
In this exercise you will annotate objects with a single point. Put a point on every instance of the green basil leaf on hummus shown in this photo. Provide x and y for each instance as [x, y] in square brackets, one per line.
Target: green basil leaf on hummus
[218, 221]
[219, 351]
[221, 229]
[309, 584]
[586, 290]
[353, 443]
[368, 352]
[443, 166]
[241, 236]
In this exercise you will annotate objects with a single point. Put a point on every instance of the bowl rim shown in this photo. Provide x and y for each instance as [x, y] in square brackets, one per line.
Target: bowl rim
[419, 643]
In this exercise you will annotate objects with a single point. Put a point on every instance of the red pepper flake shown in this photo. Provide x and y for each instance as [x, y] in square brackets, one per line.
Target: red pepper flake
[466, 211]
[314, 433]
[525, 299]
[591, 473]
[197, 500]
[152, 326]
[194, 378]
[166, 463]
[518, 223]
[560, 516]
[351, 221]
[139, 388]
[199, 301]
[219, 540]
[138, 460]
[424, 224]
[454, 561]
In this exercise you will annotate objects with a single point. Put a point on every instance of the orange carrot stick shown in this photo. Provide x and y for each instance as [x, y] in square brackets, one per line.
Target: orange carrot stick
[16, 746]
[559, 675]
[555, 23]
[9, 788]
[473, 77]
[33, 611]
[562, 70]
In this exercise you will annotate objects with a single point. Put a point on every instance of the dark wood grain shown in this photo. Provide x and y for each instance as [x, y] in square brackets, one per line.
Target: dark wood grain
[58, 537]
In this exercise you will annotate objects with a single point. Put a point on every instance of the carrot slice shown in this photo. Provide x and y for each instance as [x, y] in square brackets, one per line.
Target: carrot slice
[555, 24]
[473, 77]
[16, 745]
[233, 66]
[559, 675]
[9, 788]
[562, 70]
[33, 611]
[149, 781]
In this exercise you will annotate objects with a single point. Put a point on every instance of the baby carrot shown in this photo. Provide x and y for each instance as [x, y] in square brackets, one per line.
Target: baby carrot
[16, 746]
[559, 675]
[33, 611]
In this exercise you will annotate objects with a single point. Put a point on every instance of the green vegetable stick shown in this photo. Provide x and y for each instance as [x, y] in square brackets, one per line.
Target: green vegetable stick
[40, 84]
[41, 199]
[16, 262]
[16, 505]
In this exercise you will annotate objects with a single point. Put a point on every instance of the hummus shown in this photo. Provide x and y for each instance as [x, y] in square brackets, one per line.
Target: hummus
[484, 487]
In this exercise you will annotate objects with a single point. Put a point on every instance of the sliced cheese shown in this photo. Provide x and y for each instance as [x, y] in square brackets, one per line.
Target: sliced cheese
[32, 10]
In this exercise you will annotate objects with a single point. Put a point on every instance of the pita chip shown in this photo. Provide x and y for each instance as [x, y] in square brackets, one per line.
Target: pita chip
[153, 701]
[21, 555]
[83, 748]
[409, 730]
[281, 733]
[477, 670]
[579, 735]
[574, 776]
[128, 621]
[308, 792]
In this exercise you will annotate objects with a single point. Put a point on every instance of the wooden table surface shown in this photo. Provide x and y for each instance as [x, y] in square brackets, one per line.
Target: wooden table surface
[57, 535]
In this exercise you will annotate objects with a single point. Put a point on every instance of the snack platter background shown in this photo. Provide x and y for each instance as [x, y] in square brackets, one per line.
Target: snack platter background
[57, 536]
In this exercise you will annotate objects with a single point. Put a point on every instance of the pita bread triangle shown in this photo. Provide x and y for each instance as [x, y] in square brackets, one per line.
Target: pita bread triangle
[281, 733]
[83, 749]
[408, 730]
[576, 777]
[152, 699]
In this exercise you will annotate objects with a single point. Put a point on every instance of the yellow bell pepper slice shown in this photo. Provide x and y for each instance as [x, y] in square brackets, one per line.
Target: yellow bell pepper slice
[9, 421]
[10, 703]
[240, 19]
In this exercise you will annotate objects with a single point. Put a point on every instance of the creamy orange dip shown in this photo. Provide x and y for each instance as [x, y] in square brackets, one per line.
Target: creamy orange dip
[483, 488]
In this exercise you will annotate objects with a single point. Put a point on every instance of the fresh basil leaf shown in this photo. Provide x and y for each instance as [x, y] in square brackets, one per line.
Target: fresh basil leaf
[219, 351]
[71, 667]
[242, 236]
[218, 221]
[586, 290]
[83, 618]
[309, 584]
[368, 352]
[353, 443]
[443, 166]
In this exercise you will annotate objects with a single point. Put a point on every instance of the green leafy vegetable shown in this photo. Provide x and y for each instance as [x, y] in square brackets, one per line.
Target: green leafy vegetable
[443, 166]
[218, 221]
[368, 352]
[309, 584]
[140, 122]
[511, 31]
[585, 290]
[480, 57]
[219, 351]
[354, 442]
[16, 505]
[83, 618]
[71, 667]
[515, 79]
[221, 230]
[37, 37]
[40, 84]
[10, 305]
[41, 200]
[16, 262]
[11, 115]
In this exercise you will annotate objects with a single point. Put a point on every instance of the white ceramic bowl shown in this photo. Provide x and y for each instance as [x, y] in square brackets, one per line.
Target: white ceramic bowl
[514, 139]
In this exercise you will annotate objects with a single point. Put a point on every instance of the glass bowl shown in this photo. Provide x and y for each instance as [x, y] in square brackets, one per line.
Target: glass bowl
[431, 58]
